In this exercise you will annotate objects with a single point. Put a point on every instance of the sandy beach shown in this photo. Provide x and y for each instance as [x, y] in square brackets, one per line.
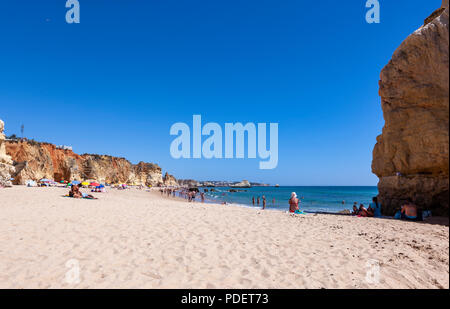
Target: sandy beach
[138, 239]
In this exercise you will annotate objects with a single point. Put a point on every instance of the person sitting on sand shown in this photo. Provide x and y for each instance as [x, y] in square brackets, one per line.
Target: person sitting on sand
[355, 210]
[409, 210]
[293, 203]
[76, 193]
[375, 207]
[363, 212]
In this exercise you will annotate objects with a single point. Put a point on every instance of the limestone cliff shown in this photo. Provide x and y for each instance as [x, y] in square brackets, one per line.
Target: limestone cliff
[188, 183]
[34, 161]
[6, 167]
[169, 180]
[411, 154]
[242, 184]
[148, 173]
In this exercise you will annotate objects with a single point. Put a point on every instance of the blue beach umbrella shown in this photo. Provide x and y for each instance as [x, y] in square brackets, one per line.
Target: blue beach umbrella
[76, 182]
[45, 180]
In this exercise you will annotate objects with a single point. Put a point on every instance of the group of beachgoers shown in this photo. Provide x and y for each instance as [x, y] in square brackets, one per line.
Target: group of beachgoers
[189, 195]
[409, 211]
[258, 200]
[374, 209]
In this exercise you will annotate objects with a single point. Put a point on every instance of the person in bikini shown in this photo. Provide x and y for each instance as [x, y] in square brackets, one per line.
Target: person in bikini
[293, 203]
[76, 193]
[363, 212]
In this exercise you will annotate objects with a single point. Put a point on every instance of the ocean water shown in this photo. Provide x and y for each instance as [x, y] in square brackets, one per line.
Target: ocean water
[313, 199]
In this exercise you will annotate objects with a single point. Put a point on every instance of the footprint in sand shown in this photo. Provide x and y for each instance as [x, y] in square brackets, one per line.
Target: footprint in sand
[245, 282]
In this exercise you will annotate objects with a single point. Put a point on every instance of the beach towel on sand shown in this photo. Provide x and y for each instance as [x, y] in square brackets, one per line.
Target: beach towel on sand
[86, 198]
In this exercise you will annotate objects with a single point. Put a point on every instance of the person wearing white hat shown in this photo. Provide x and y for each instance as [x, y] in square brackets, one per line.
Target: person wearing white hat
[293, 203]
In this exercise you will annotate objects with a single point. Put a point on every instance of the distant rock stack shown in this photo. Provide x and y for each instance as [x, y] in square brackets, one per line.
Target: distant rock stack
[242, 184]
[6, 167]
[411, 156]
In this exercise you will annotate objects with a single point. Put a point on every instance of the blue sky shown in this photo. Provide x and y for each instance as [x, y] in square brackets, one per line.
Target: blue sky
[116, 82]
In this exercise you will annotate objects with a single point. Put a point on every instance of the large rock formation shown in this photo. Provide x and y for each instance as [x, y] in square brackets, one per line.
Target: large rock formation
[148, 173]
[34, 161]
[411, 156]
[6, 167]
[188, 183]
[169, 180]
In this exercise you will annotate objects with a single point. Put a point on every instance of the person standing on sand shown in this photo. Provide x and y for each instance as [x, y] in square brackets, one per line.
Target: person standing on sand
[257, 201]
[253, 201]
[202, 195]
[293, 203]
[264, 202]
[273, 201]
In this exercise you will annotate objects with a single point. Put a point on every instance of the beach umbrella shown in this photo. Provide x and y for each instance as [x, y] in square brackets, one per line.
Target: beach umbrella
[45, 180]
[94, 184]
[84, 183]
[76, 182]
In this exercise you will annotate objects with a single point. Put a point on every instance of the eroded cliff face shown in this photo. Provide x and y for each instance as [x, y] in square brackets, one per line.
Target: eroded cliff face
[6, 167]
[34, 161]
[37, 161]
[169, 180]
[148, 173]
[411, 155]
